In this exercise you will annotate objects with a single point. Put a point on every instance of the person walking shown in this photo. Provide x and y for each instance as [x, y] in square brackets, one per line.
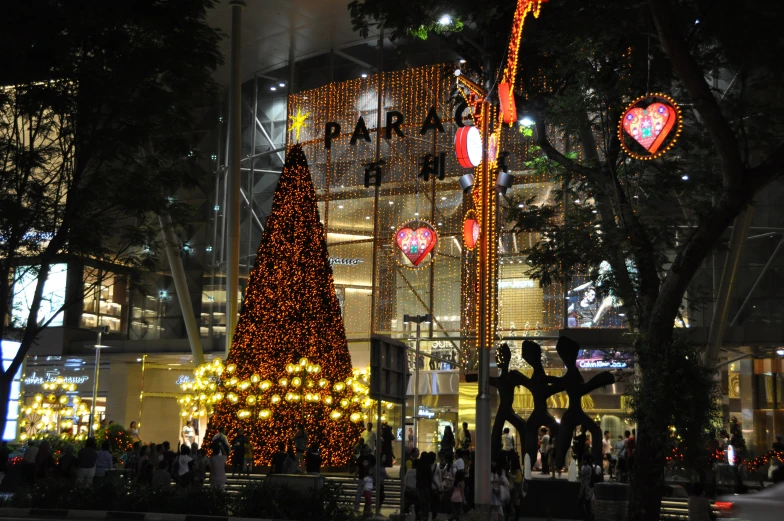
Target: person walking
[507, 443]
[220, 450]
[44, 462]
[500, 490]
[278, 459]
[145, 466]
[28, 463]
[544, 450]
[590, 474]
[424, 480]
[238, 452]
[85, 463]
[448, 442]
[464, 439]
[188, 434]
[290, 465]
[134, 432]
[579, 444]
[181, 467]
[200, 466]
[364, 465]
[387, 437]
[410, 496]
[313, 460]
[699, 505]
[607, 450]
[66, 465]
[356, 452]
[369, 437]
[778, 446]
[103, 462]
[300, 440]
[248, 456]
[458, 495]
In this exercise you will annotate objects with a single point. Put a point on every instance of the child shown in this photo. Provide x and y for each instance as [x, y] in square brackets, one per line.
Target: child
[458, 494]
[248, 457]
[367, 493]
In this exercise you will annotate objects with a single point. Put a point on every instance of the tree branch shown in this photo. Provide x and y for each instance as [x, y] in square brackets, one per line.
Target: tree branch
[705, 103]
[540, 137]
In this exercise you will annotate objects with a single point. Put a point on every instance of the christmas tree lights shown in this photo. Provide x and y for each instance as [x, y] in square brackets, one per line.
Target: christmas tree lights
[290, 336]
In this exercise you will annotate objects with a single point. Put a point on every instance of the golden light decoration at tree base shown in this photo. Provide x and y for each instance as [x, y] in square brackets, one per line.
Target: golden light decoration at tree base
[53, 411]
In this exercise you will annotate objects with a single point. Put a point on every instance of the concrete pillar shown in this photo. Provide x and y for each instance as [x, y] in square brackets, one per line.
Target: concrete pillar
[123, 388]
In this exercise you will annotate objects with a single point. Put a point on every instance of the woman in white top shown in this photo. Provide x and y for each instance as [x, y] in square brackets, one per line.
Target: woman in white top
[134, 432]
[182, 464]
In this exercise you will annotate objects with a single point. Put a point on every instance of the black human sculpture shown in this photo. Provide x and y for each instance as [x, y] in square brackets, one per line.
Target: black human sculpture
[505, 383]
[542, 387]
[575, 387]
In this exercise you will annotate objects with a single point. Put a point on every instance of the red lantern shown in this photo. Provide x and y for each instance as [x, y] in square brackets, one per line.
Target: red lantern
[508, 107]
[468, 147]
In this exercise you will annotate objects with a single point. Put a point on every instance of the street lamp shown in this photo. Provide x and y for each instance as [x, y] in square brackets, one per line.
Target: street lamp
[417, 319]
[98, 347]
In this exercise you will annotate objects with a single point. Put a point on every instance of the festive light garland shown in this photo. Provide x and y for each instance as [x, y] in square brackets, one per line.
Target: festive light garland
[290, 313]
[53, 411]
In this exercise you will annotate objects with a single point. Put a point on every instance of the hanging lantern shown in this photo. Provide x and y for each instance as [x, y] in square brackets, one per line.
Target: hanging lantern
[468, 147]
[650, 126]
[416, 243]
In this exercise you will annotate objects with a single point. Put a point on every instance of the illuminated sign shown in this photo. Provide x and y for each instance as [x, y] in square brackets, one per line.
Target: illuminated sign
[183, 379]
[515, 284]
[338, 261]
[52, 376]
[603, 364]
[426, 413]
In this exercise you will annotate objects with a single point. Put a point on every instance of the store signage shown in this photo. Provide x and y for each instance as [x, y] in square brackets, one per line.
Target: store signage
[603, 364]
[440, 344]
[395, 120]
[183, 379]
[468, 147]
[51, 376]
[515, 284]
[340, 261]
[426, 413]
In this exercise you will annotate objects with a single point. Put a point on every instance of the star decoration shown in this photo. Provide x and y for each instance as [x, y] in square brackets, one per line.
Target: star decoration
[298, 121]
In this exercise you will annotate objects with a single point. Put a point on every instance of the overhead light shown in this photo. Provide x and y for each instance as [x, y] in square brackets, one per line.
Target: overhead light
[780, 352]
[440, 224]
[685, 177]
[391, 202]
[696, 21]
[461, 61]
[445, 20]
[281, 84]
[443, 198]
[594, 211]
[416, 214]
[273, 88]
[526, 121]
[577, 201]
[340, 206]
[521, 205]
[138, 359]
[367, 217]
[364, 74]
[458, 72]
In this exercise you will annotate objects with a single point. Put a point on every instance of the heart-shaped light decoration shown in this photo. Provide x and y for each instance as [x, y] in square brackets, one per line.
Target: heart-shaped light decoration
[470, 230]
[649, 126]
[416, 243]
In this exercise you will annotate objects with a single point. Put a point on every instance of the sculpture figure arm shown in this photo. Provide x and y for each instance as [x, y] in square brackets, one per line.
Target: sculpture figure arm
[600, 380]
[474, 377]
[519, 378]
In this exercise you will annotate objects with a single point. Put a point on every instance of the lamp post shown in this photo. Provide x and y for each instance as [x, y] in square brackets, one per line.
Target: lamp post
[98, 346]
[417, 319]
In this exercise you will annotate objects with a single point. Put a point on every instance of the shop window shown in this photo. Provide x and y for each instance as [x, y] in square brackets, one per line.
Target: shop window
[104, 298]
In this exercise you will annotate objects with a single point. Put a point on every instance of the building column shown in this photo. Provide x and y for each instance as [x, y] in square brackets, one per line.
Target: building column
[234, 179]
[122, 393]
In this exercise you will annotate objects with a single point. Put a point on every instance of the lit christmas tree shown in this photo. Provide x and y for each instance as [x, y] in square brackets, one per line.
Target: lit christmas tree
[289, 361]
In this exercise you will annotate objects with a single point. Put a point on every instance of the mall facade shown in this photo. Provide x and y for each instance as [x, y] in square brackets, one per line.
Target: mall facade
[363, 202]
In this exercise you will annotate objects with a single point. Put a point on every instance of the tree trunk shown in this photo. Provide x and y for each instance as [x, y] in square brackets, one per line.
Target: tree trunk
[5, 391]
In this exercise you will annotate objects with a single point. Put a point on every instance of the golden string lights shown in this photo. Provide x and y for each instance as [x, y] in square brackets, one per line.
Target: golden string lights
[55, 411]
